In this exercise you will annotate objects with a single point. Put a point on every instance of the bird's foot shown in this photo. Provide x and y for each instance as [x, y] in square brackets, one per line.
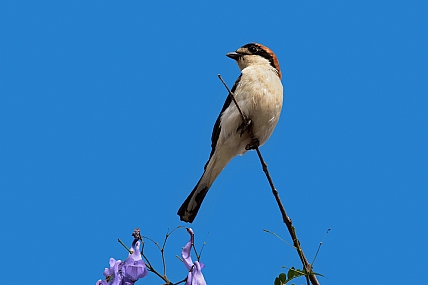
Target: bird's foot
[245, 127]
[254, 144]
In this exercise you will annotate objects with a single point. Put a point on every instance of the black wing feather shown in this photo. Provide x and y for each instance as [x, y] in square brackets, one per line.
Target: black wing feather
[217, 128]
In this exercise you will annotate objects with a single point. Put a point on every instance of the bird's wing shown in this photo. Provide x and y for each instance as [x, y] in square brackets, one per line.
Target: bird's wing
[217, 128]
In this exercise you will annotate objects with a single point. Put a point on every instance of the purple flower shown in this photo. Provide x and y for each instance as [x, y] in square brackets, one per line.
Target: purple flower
[134, 267]
[194, 277]
[128, 272]
[114, 273]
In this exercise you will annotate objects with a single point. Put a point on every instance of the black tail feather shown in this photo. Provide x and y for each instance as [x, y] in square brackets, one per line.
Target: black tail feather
[188, 215]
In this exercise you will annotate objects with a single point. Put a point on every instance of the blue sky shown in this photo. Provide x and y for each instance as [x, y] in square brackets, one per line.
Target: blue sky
[106, 113]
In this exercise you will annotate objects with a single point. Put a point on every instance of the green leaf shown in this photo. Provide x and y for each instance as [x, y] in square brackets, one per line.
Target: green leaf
[317, 274]
[294, 273]
[283, 277]
[291, 273]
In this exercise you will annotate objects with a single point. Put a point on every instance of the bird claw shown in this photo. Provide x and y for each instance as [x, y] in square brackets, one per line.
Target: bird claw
[245, 127]
[254, 144]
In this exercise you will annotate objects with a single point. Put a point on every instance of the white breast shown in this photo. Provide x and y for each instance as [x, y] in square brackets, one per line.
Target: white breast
[259, 94]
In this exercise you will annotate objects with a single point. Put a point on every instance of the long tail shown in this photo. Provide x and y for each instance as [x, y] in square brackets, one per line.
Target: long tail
[189, 209]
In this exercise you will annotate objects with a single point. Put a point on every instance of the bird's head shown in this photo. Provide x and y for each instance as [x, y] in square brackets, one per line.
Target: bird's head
[255, 54]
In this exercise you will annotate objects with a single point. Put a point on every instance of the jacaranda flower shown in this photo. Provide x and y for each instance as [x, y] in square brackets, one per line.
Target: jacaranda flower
[128, 272]
[113, 274]
[134, 267]
[194, 277]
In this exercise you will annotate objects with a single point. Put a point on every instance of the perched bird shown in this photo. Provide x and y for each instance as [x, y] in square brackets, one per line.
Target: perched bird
[258, 93]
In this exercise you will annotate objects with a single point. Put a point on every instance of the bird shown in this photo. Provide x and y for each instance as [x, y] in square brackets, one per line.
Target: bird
[258, 92]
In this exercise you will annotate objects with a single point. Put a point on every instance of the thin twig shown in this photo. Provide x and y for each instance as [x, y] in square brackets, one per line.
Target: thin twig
[192, 241]
[182, 281]
[244, 118]
[163, 253]
[151, 269]
[196, 252]
[202, 248]
[155, 242]
[272, 233]
[130, 251]
[287, 221]
[316, 254]
[306, 265]
[163, 249]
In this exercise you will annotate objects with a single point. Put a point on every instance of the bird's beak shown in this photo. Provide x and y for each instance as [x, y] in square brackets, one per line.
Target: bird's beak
[234, 55]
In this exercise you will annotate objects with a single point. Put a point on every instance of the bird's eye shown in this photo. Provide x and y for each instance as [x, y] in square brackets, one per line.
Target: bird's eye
[253, 49]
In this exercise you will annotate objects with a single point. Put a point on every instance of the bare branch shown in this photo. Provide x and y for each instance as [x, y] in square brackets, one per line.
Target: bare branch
[152, 269]
[163, 248]
[130, 251]
[244, 118]
[286, 219]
